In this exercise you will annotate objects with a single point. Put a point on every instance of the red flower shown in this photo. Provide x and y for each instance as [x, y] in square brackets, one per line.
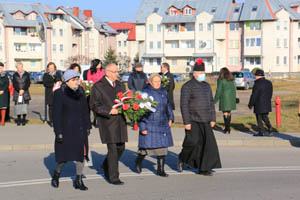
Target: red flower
[120, 95]
[135, 107]
[135, 127]
[83, 87]
[139, 96]
[130, 92]
[126, 107]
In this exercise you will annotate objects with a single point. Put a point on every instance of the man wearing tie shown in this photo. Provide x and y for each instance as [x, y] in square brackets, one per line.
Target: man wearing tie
[113, 129]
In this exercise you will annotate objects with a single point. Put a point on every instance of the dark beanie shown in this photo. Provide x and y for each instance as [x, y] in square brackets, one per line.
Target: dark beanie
[199, 65]
[259, 72]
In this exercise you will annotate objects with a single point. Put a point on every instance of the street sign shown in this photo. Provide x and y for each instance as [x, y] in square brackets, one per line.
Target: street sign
[40, 28]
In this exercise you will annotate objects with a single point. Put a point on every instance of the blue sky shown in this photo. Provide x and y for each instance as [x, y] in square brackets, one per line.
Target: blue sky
[106, 10]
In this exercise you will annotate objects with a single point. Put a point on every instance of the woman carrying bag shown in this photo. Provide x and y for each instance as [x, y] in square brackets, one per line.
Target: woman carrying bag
[71, 121]
[4, 94]
[21, 84]
[226, 94]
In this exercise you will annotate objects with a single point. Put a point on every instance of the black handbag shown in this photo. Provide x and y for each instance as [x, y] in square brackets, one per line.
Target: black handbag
[237, 100]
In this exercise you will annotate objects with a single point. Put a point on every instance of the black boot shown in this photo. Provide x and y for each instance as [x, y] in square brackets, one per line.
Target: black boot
[138, 163]
[161, 166]
[228, 124]
[55, 179]
[18, 120]
[24, 120]
[78, 183]
[225, 123]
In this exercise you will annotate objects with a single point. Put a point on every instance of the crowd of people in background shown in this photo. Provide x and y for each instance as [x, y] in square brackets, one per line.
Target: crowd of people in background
[69, 114]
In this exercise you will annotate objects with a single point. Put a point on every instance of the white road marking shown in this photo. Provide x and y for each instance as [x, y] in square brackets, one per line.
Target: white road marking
[144, 174]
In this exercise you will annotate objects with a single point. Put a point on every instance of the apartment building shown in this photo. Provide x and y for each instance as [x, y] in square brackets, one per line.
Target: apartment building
[67, 36]
[252, 34]
[126, 44]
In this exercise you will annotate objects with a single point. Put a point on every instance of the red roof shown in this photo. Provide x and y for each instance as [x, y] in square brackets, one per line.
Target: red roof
[125, 26]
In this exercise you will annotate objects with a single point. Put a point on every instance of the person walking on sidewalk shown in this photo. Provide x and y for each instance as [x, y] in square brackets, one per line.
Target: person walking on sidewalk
[112, 125]
[21, 84]
[51, 77]
[226, 95]
[72, 126]
[200, 148]
[261, 100]
[155, 127]
[95, 74]
[4, 94]
[165, 71]
[137, 79]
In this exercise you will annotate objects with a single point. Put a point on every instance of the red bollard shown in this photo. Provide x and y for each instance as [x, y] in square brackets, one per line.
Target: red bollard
[278, 111]
[11, 89]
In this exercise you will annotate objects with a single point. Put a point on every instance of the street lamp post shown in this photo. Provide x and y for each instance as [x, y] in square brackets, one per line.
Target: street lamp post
[41, 28]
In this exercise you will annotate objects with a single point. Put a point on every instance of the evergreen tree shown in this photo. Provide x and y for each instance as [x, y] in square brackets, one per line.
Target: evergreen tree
[110, 57]
[137, 58]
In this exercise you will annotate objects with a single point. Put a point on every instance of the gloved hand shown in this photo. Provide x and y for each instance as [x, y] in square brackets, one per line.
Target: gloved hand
[250, 107]
[59, 138]
[88, 132]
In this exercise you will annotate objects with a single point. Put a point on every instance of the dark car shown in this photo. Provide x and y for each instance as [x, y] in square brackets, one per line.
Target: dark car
[36, 77]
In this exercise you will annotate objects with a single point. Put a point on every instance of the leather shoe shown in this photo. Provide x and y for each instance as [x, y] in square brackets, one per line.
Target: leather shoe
[206, 173]
[118, 182]
[258, 135]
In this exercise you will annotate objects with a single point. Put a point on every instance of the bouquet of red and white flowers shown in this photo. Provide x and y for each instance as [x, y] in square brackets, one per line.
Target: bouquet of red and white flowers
[165, 81]
[87, 86]
[134, 105]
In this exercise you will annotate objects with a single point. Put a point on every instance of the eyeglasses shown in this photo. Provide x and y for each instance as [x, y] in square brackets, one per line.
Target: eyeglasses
[115, 72]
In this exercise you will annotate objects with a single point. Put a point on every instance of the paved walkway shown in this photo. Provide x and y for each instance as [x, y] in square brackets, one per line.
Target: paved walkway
[41, 137]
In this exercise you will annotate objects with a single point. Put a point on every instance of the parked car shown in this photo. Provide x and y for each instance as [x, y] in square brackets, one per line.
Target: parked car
[244, 79]
[10, 74]
[214, 76]
[36, 77]
[178, 77]
[125, 77]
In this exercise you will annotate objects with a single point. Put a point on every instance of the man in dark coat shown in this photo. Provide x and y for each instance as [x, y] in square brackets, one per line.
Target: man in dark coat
[113, 129]
[200, 148]
[260, 99]
[138, 79]
[165, 71]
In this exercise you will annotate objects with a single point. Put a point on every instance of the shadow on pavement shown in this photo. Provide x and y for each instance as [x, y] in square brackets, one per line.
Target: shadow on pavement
[68, 170]
[39, 114]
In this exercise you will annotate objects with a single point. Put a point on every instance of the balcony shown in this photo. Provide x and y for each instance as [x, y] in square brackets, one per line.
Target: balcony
[182, 35]
[179, 52]
[252, 51]
[24, 54]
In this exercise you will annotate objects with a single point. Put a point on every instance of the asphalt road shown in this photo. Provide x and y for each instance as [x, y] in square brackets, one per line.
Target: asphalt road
[247, 173]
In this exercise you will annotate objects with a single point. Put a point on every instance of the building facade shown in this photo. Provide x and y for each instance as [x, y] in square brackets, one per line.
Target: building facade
[70, 35]
[239, 36]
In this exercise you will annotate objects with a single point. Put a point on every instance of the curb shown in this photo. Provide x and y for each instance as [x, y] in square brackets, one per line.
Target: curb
[221, 143]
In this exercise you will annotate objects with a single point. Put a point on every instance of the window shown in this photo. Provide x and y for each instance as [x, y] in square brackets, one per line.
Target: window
[159, 44]
[174, 44]
[20, 31]
[254, 8]
[209, 27]
[61, 32]
[234, 44]
[125, 43]
[298, 25]
[174, 62]
[190, 27]
[0, 30]
[252, 42]
[213, 9]
[35, 47]
[158, 28]
[151, 45]
[299, 42]
[234, 26]
[237, 9]
[258, 42]
[158, 61]
[285, 42]
[53, 32]
[201, 27]
[285, 60]
[254, 25]
[285, 27]
[298, 60]
[150, 28]
[202, 44]
[252, 61]
[1, 47]
[233, 61]
[151, 61]
[247, 42]
[173, 11]
[125, 54]
[120, 54]
[188, 11]
[278, 60]
[54, 47]
[61, 47]
[208, 44]
[61, 63]
[173, 28]
[32, 63]
[278, 25]
[120, 43]
[188, 44]
[278, 43]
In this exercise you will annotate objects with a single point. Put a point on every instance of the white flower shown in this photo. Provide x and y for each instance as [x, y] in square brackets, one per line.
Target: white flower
[142, 105]
[144, 95]
[151, 98]
[91, 82]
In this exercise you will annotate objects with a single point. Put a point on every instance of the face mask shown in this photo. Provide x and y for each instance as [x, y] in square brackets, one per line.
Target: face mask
[201, 77]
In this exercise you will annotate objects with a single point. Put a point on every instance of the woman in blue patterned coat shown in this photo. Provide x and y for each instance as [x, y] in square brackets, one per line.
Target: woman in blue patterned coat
[155, 127]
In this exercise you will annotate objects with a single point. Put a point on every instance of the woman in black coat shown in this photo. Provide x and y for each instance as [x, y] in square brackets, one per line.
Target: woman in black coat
[4, 94]
[51, 78]
[21, 84]
[138, 79]
[72, 126]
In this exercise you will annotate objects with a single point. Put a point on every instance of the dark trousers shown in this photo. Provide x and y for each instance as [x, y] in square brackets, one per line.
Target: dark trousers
[111, 162]
[260, 118]
[50, 112]
[200, 149]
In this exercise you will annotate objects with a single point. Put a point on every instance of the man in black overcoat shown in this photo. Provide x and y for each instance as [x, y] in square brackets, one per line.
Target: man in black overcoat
[165, 71]
[261, 100]
[113, 129]
[199, 149]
